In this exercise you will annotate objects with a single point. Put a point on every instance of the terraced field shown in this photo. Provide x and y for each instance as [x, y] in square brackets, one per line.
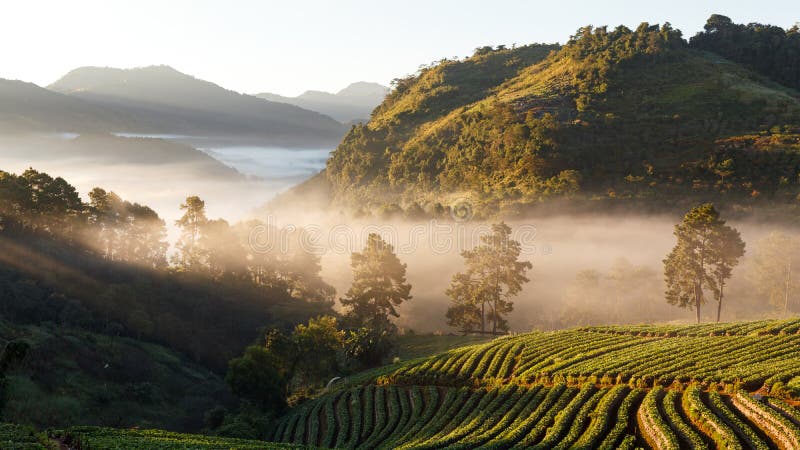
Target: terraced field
[718, 386]
[99, 438]
[746, 355]
[661, 387]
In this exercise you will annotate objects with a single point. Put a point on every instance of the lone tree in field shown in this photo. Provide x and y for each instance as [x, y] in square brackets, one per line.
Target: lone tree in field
[379, 284]
[703, 259]
[775, 265]
[494, 274]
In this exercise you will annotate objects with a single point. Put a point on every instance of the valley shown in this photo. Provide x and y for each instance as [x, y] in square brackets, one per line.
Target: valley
[587, 240]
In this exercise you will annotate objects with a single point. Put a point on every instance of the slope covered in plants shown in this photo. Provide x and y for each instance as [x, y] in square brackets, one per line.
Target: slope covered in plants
[612, 114]
[666, 387]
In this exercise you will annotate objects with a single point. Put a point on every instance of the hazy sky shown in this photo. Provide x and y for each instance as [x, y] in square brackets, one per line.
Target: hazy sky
[287, 47]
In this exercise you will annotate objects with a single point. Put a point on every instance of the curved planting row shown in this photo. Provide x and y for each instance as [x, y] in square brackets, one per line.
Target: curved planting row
[738, 355]
[559, 417]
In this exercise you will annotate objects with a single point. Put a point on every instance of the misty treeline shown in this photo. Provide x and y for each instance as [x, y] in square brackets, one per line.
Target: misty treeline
[709, 264]
[104, 265]
[118, 230]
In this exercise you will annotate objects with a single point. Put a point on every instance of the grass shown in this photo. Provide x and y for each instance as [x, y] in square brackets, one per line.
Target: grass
[72, 376]
[412, 346]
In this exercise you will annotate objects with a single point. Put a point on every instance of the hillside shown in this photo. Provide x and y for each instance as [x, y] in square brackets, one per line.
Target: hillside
[23, 438]
[163, 100]
[613, 115]
[352, 104]
[109, 151]
[25, 107]
[664, 387]
[73, 376]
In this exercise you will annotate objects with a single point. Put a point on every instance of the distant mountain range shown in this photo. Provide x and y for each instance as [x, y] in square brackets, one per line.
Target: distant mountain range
[352, 104]
[157, 100]
[163, 100]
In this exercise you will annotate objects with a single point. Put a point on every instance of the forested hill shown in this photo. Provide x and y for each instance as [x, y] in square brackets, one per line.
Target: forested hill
[613, 115]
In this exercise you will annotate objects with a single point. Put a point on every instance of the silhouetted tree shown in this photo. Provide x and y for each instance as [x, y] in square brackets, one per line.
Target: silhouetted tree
[194, 217]
[494, 275]
[776, 261]
[703, 258]
[379, 283]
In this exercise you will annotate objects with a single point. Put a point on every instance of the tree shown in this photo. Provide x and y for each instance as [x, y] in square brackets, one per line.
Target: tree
[580, 300]
[317, 345]
[309, 354]
[105, 213]
[464, 313]
[723, 169]
[775, 264]
[126, 231]
[255, 376]
[703, 258]
[53, 204]
[726, 253]
[219, 250]
[369, 345]
[494, 274]
[379, 283]
[145, 236]
[300, 269]
[190, 224]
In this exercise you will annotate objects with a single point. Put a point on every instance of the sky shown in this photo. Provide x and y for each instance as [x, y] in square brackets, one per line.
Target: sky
[287, 47]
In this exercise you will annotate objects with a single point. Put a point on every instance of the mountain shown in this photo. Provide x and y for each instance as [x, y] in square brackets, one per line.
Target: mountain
[352, 104]
[108, 150]
[28, 107]
[161, 100]
[613, 116]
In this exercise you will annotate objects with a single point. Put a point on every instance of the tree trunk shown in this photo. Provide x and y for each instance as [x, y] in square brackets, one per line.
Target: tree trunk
[494, 317]
[698, 294]
[483, 317]
[719, 301]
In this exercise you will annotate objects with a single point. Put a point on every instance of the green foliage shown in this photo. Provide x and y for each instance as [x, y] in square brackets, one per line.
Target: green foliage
[71, 375]
[368, 346]
[255, 376]
[703, 258]
[110, 438]
[379, 284]
[102, 266]
[747, 354]
[494, 274]
[411, 346]
[18, 437]
[520, 412]
[613, 115]
[767, 49]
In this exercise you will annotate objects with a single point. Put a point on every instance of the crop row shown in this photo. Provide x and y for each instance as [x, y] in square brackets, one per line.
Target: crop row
[745, 355]
[560, 417]
[99, 438]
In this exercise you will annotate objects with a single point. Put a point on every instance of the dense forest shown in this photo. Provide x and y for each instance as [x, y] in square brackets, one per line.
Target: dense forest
[93, 280]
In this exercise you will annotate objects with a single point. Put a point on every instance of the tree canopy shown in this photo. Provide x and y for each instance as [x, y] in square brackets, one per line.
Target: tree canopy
[494, 275]
[379, 283]
[703, 259]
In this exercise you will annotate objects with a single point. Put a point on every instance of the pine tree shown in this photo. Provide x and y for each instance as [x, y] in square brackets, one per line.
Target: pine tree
[494, 275]
[190, 223]
[703, 258]
[379, 283]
